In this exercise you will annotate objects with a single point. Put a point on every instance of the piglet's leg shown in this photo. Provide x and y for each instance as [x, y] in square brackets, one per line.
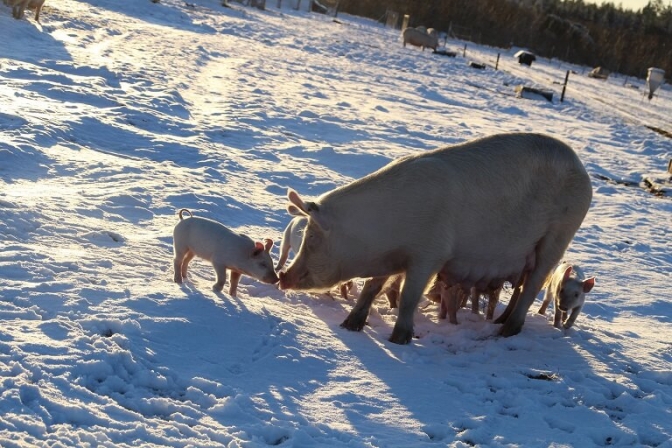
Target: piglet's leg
[493, 299]
[344, 290]
[177, 267]
[451, 299]
[548, 296]
[475, 296]
[443, 299]
[557, 321]
[392, 292]
[180, 263]
[357, 317]
[185, 263]
[572, 317]
[220, 272]
[233, 287]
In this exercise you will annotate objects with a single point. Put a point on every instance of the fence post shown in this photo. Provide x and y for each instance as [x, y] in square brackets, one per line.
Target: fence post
[464, 51]
[497, 63]
[564, 86]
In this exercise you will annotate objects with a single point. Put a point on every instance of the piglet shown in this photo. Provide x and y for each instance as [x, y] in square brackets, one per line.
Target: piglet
[225, 249]
[566, 288]
[19, 7]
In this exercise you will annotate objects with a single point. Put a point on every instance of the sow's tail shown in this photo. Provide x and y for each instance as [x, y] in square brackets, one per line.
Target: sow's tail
[182, 211]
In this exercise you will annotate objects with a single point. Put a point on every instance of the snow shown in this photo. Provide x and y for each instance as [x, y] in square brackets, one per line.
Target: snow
[117, 114]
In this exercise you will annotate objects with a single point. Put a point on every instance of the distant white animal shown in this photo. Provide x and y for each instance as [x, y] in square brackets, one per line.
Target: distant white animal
[19, 6]
[291, 239]
[527, 195]
[566, 288]
[420, 38]
[225, 249]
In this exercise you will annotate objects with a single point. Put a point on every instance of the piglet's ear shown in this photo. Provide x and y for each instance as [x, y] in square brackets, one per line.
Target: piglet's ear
[568, 272]
[268, 243]
[588, 284]
[258, 248]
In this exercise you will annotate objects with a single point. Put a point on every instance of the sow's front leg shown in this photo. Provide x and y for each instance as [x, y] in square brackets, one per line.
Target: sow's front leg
[357, 317]
[414, 286]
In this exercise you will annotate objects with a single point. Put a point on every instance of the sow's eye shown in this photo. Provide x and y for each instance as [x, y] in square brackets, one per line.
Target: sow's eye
[313, 238]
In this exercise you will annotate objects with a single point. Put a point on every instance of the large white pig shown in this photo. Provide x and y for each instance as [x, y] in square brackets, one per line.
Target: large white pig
[420, 38]
[500, 208]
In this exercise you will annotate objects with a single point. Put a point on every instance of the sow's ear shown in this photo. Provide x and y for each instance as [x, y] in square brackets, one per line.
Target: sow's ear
[588, 284]
[294, 210]
[310, 209]
[296, 205]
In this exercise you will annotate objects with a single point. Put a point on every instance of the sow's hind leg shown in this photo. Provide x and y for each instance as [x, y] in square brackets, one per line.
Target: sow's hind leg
[512, 301]
[357, 317]
[549, 251]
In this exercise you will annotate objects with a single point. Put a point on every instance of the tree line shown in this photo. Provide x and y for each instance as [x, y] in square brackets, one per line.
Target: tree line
[606, 35]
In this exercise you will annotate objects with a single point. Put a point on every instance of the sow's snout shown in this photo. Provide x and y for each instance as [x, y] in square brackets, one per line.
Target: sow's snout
[271, 278]
[293, 278]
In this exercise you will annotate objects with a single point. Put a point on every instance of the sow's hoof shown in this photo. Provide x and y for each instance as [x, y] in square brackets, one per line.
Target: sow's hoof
[401, 337]
[509, 330]
[354, 323]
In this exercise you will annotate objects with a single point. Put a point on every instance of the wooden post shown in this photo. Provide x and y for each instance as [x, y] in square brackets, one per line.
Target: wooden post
[497, 63]
[564, 86]
[464, 51]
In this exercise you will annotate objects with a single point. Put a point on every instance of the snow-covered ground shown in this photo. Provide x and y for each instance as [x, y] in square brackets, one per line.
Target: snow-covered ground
[114, 115]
